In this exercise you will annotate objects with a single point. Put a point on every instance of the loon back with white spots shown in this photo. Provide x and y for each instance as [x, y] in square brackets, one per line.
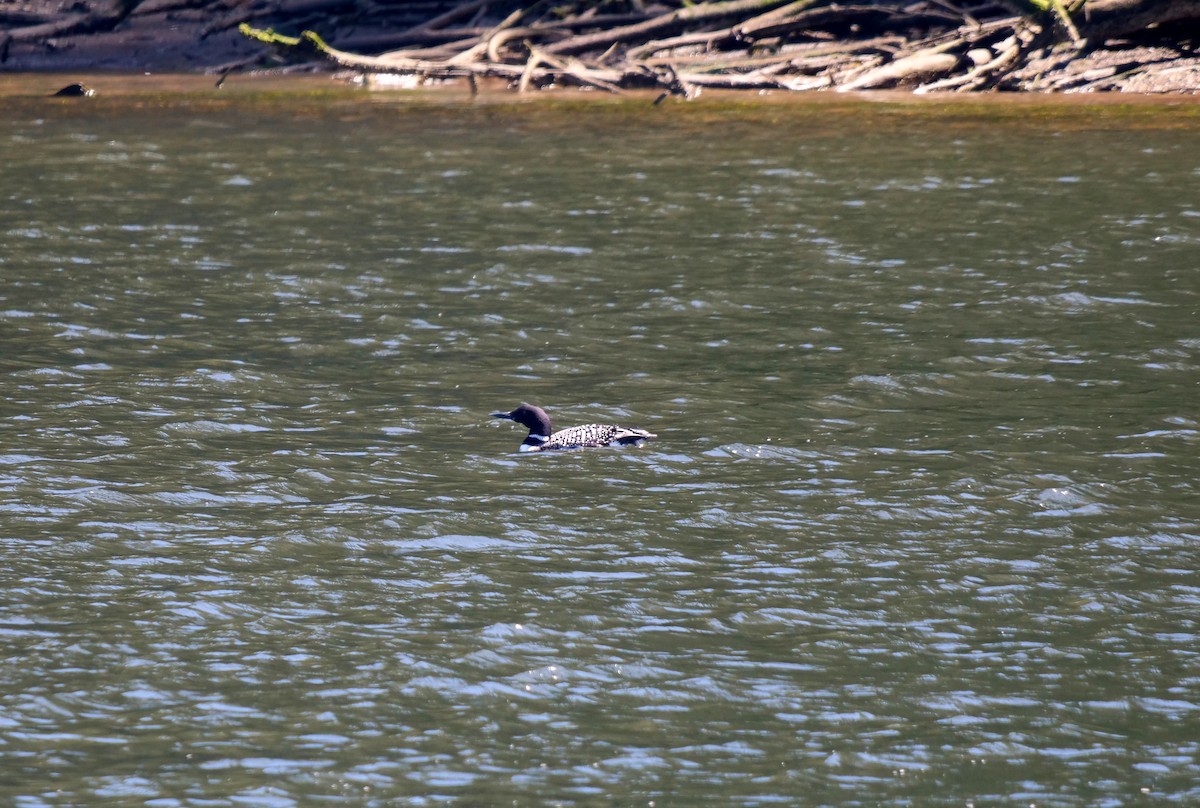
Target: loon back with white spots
[542, 439]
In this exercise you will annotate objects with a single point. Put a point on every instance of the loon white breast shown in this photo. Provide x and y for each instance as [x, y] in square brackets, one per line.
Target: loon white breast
[542, 439]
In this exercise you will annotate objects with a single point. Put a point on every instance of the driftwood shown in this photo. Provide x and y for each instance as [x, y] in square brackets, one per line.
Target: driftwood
[924, 45]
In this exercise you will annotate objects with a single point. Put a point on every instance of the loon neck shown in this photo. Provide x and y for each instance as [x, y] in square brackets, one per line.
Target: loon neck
[534, 443]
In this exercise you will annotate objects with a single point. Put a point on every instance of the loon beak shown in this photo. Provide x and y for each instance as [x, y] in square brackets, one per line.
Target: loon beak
[507, 415]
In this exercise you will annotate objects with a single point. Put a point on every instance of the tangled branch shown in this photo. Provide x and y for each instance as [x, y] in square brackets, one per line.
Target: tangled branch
[924, 45]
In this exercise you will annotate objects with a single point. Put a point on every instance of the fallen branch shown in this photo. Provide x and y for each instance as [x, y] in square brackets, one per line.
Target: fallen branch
[972, 78]
[675, 19]
[706, 38]
[925, 63]
[815, 19]
[312, 43]
[584, 75]
[768, 17]
[471, 54]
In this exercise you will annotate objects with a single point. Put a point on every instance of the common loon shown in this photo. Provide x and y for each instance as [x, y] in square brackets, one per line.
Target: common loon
[541, 439]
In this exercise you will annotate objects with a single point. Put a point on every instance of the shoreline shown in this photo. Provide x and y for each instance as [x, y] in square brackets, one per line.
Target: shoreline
[804, 48]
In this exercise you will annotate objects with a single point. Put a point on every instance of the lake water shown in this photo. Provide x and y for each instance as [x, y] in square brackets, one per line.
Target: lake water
[921, 525]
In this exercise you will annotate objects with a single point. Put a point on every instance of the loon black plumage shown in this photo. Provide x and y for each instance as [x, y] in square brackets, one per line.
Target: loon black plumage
[541, 438]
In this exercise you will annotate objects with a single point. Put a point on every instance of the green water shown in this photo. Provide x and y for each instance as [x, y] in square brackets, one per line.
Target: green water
[921, 525]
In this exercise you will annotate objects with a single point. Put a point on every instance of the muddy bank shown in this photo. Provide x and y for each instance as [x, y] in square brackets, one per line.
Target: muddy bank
[671, 47]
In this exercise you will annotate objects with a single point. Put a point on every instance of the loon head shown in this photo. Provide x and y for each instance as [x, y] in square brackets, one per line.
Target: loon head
[527, 415]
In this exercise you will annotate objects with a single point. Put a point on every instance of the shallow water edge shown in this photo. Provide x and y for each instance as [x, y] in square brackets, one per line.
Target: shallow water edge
[123, 92]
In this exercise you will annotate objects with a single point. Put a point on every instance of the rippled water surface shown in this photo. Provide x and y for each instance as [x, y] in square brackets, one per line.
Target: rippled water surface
[921, 524]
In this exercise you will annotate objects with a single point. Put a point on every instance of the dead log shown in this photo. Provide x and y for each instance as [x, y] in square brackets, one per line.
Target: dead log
[589, 77]
[312, 44]
[816, 18]
[731, 81]
[472, 54]
[379, 43]
[436, 53]
[535, 61]
[838, 16]
[773, 15]
[919, 65]
[706, 38]
[675, 20]
[975, 77]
